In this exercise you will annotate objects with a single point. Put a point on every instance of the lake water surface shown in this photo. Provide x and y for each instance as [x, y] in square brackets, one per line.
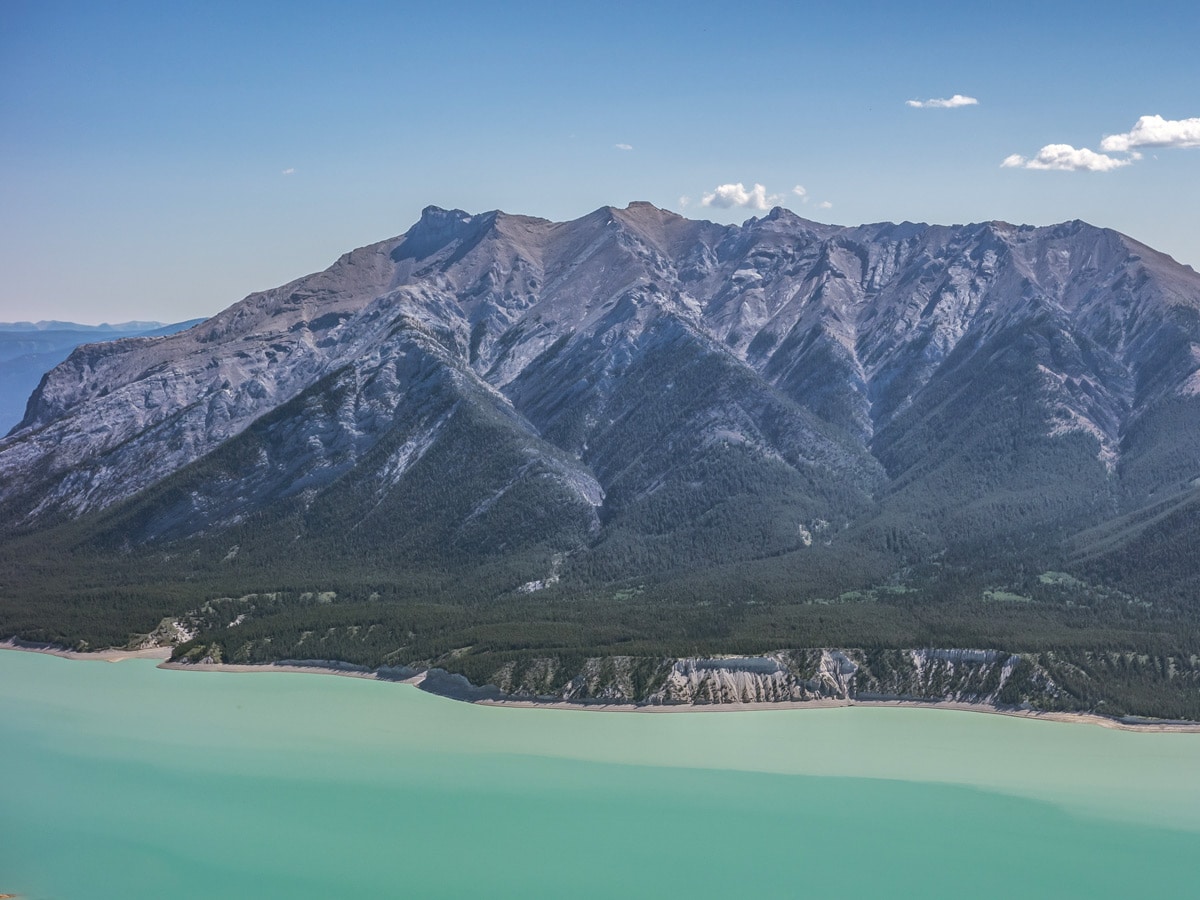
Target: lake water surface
[125, 780]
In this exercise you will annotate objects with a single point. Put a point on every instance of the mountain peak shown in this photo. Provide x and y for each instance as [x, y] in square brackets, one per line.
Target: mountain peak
[438, 228]
[436, 220]
[433, 213]
[781, 212]
[643, 207]
[635, 210]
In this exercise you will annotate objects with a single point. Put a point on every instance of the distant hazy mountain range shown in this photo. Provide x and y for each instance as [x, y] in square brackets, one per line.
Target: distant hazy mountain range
[914, 435]
[30, 349]
[104, 328]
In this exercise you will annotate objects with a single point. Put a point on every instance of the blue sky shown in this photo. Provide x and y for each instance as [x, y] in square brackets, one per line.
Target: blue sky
[162, 160]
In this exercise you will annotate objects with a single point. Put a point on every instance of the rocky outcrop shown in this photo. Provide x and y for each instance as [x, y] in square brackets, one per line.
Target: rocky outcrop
[733, 680]
[759, 679]
[789, 676]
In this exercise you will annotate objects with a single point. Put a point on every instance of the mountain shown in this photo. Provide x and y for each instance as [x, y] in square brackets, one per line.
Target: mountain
[30, 349]
[497, 436]
[104, 328]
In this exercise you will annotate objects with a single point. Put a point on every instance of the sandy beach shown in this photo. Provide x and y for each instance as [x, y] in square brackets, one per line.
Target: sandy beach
[317, 668]
[110, 655]
[299, 669]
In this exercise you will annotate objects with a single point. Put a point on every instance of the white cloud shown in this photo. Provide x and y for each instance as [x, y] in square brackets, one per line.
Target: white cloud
[1155, 131]
[288, 172]
[825, 204]
[685, 201]
[800, 192]
[1065, 158]
[726, 196]
[623, 146]
[943, 103]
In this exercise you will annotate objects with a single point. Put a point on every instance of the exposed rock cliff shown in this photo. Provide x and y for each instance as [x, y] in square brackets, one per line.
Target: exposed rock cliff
[957, 675]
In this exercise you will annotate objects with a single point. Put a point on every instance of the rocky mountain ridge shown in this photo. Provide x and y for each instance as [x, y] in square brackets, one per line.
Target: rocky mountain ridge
[849, 328]
[980, 425]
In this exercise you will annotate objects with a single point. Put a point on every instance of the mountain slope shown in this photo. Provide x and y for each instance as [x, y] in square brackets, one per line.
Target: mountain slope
[877, 420]
[29, 350]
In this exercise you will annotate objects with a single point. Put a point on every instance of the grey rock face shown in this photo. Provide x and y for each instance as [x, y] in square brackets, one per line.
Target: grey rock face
[787, 676]
[868, 370]
[28, 350]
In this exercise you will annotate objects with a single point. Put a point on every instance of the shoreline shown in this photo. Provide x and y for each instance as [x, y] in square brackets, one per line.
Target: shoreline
[110, 655]
[417, 678]
[294, 668]
[1070, 718]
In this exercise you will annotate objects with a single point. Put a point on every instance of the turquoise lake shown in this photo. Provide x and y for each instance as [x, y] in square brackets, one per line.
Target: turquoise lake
[123, 780]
